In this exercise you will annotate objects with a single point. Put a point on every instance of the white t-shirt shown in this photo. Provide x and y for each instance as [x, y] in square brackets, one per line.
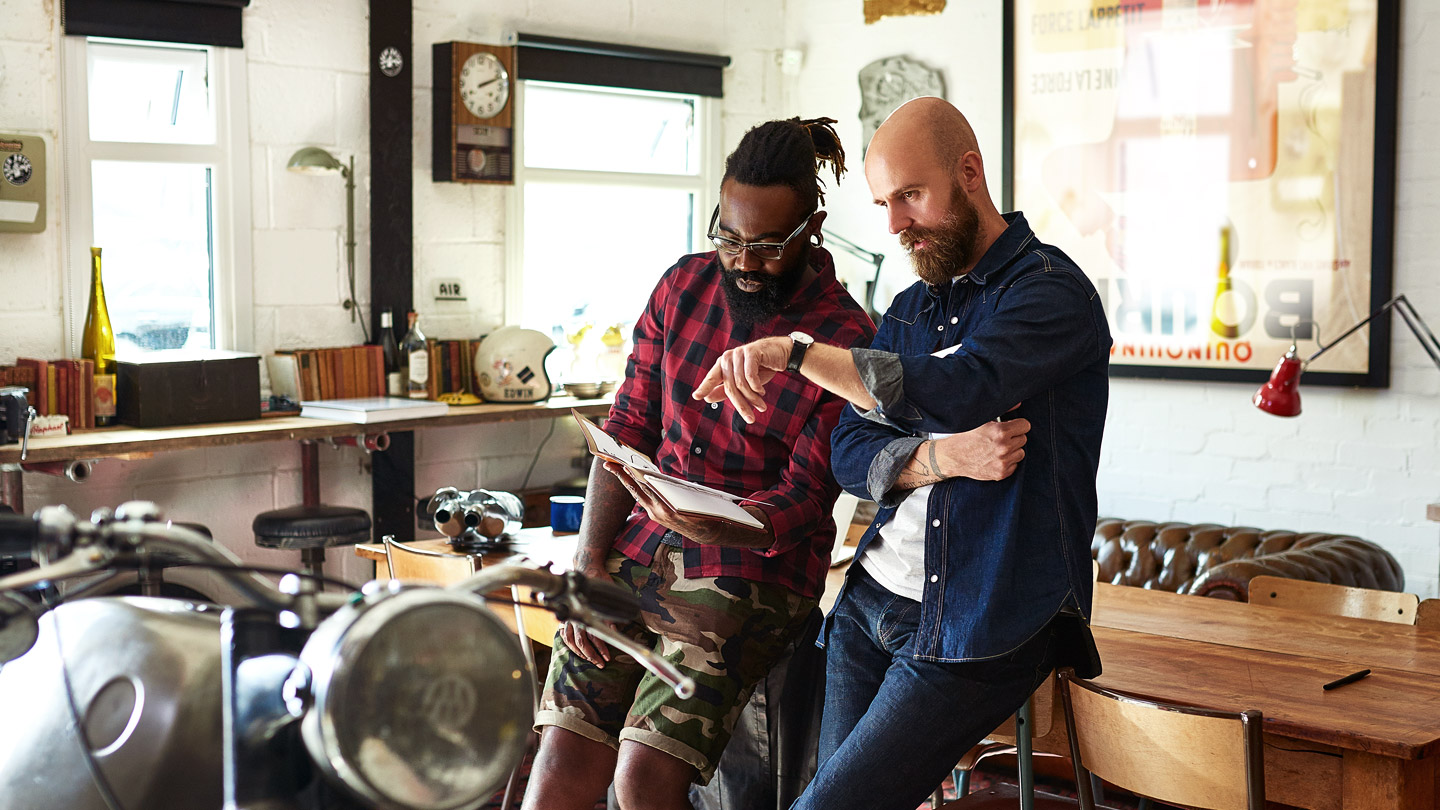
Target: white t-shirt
[896, 557]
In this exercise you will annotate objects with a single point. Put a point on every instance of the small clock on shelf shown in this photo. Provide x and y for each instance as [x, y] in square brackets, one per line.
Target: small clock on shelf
[474, 122]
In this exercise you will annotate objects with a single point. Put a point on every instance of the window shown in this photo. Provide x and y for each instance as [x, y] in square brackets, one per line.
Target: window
[614, 186]
[157, 175]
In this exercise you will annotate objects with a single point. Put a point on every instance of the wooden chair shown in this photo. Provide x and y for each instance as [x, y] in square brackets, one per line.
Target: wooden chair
[1175, 754]
[422, 565]
[1334, 600]
[1427, 615]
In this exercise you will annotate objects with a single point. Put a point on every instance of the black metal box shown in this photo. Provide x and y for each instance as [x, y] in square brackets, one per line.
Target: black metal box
[187, 387]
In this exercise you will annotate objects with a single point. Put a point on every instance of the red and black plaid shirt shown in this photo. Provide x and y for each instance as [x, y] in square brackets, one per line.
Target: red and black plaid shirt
[782, 461]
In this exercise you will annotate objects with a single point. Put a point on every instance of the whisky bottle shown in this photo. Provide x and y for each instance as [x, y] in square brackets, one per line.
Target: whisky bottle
[394, 384]
[416, 360]
[97, 344]
[1224, 320]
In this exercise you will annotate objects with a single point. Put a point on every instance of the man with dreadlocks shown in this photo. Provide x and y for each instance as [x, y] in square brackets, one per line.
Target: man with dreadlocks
[965, 593]
[720, 601]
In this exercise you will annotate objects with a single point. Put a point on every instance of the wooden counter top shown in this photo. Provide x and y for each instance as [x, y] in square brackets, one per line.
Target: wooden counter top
[128, 441]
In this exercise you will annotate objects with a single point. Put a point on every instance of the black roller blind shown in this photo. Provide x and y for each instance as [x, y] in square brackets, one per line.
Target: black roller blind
[577, 61]
[197, 22]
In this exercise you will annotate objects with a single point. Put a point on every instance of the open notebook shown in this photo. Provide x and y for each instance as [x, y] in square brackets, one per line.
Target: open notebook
[683, 496]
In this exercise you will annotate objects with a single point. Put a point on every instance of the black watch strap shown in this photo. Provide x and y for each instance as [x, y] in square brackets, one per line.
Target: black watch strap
[797, 354]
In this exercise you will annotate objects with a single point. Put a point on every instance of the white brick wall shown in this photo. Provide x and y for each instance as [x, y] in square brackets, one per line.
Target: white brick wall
[308, 85]
[1364, 462]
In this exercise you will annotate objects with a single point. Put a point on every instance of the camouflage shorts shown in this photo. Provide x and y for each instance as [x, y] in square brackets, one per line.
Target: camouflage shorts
[724, 632]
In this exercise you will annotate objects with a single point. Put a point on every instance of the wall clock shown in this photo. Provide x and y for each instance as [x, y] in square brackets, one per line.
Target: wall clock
[474, 121]
[22, 183]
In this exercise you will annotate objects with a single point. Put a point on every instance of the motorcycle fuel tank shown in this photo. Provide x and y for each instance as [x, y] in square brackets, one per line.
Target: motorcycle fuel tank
[143, 677]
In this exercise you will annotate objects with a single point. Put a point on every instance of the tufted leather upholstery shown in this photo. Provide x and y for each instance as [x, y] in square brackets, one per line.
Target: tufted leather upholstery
[1211, 560]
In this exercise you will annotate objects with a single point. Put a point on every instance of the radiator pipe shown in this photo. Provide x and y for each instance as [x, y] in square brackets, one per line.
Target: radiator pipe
[372, 442]
[77, 471]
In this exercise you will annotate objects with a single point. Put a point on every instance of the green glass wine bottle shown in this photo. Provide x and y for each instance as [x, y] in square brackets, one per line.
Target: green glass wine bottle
[97, 344]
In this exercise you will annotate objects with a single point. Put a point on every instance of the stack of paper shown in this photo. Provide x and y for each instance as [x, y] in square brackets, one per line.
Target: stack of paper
[371, 409]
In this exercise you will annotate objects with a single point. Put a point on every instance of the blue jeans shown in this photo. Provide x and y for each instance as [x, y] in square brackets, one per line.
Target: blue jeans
[893, 727]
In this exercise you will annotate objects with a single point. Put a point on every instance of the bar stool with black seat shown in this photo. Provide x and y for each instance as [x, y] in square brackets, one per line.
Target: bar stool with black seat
[312, 526]
[311, 529]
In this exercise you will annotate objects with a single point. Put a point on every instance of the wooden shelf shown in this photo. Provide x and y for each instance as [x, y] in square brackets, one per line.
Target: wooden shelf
[127, 441]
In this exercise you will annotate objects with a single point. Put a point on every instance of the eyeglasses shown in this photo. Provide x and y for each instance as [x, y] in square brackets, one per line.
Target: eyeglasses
[765, 251]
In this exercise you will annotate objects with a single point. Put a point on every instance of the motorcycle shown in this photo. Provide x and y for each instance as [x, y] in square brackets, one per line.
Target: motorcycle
[395, 696]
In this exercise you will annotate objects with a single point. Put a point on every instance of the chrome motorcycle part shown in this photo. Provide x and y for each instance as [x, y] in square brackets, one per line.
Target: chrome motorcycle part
[141, 706]
[18, 627]
[421, 699]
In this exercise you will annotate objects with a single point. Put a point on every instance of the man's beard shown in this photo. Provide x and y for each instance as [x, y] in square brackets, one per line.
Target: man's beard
[750, 308]
[950, 247]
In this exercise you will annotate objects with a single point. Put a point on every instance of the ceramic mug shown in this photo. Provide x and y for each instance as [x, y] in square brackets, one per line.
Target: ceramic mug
[565, 513]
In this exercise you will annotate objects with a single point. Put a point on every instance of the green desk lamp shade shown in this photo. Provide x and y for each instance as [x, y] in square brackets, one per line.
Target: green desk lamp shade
[314, 160]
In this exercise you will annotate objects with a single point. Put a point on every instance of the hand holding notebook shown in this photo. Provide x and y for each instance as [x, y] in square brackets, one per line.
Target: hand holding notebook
[684, 496]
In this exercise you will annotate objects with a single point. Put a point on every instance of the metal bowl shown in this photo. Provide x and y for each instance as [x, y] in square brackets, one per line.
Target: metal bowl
[589, 390]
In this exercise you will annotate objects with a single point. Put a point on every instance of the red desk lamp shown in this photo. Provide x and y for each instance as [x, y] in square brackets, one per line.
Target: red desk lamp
[1281, 395]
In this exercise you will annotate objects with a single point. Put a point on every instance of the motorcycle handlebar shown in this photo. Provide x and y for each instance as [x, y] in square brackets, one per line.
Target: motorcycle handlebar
[592, 603]
[18, 534]
[52, 536]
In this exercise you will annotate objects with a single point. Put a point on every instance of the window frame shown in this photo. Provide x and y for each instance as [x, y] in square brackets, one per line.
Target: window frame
[232, 306]
[705, 185]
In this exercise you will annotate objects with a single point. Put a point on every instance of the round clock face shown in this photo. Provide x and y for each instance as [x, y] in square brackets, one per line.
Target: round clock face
[16, 169]
[484, 85]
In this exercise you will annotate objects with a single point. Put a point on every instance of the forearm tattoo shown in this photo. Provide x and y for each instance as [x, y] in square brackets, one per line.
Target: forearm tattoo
[921, 469]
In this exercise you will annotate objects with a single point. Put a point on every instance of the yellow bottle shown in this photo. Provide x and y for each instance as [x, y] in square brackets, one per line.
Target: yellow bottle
[1224, 320]
[97, 344]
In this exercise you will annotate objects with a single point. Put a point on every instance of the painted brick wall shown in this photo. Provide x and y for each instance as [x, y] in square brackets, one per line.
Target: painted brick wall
[1364, 462]
[308, 85]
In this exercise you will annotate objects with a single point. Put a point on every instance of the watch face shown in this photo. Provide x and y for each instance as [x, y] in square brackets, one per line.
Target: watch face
[484, 85]
[16, 169]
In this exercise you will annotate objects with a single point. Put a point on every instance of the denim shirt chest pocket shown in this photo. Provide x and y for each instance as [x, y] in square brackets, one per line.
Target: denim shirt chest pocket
[943, 318]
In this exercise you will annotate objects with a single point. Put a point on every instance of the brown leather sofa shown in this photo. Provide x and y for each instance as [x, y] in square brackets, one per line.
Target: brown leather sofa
[1211, 560]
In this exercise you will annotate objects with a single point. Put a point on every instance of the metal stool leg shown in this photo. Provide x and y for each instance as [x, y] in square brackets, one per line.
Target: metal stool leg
[1025, 755]
[312, 562]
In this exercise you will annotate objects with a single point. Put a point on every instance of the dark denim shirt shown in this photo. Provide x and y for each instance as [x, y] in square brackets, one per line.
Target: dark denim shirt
[1001, 557]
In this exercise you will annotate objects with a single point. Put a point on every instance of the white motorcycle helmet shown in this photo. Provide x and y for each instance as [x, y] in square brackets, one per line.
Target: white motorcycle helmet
[510, 365]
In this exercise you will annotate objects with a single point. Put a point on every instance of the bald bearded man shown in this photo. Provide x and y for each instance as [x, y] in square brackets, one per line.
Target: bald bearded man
[966, 593]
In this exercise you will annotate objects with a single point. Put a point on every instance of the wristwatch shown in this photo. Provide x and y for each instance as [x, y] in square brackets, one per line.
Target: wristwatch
[799, 342]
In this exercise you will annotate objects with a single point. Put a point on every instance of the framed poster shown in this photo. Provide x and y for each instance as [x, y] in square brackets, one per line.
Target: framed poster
[1223, 170]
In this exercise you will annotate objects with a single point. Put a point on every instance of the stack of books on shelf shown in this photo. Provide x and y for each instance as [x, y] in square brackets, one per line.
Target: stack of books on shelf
[56, 387]
[452, 367]
[345, 372]
[351, 372]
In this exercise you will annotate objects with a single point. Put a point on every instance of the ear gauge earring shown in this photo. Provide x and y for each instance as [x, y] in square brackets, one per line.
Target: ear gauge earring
[817, 239]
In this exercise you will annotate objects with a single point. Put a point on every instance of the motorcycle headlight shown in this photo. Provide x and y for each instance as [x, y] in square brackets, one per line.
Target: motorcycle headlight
[421, 700]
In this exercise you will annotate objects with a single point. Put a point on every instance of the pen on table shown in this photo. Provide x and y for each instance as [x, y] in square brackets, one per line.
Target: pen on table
[1351, 678]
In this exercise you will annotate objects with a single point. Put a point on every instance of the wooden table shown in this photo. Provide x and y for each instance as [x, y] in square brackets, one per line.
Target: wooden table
[544, 546]
[1372, 744]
